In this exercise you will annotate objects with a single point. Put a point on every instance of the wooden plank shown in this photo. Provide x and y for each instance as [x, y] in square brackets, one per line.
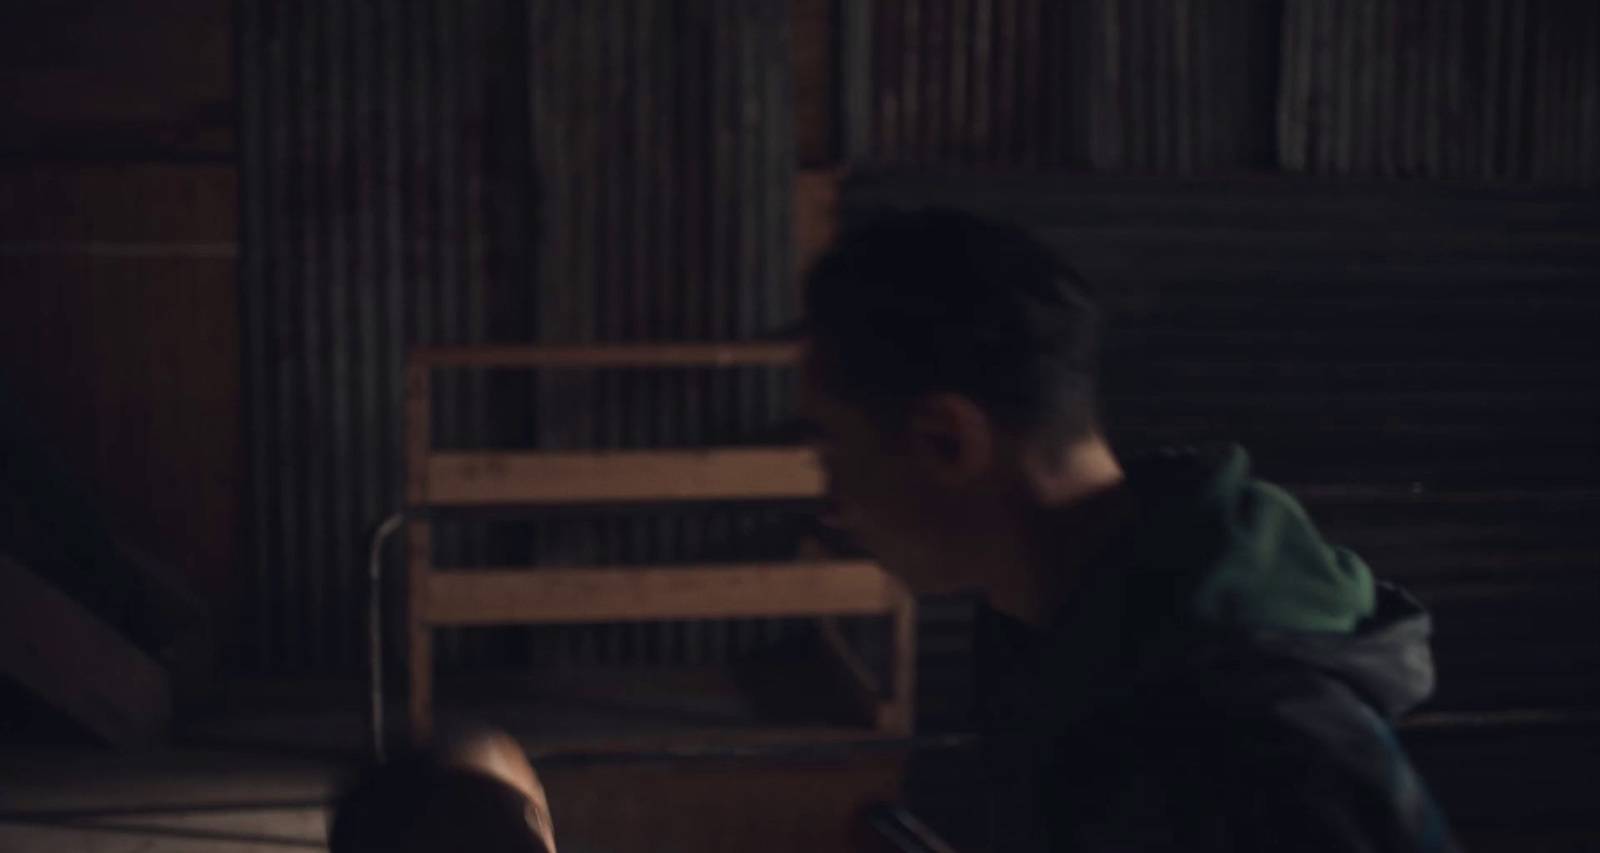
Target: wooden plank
[781, 353]
[78, 664]
[574, 595]
[901, 717]
[121, 346]
[475, 478]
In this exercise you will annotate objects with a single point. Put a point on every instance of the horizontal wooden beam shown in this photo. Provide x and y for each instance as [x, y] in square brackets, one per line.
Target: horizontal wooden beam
[65, 655]
[763, 354]
[570, 595]
[474, 478]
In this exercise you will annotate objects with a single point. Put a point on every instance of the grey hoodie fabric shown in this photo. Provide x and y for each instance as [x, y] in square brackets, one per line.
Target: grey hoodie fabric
[1223, 680]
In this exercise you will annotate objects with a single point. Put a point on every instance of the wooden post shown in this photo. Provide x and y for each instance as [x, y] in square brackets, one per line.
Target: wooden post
[901, 719]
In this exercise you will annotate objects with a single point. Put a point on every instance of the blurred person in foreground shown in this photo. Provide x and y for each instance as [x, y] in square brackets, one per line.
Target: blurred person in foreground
[474, 791]
[1171, 657]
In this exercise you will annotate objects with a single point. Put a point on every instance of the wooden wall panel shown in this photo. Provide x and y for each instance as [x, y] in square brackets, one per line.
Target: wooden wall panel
[152, 79]
[119, 332]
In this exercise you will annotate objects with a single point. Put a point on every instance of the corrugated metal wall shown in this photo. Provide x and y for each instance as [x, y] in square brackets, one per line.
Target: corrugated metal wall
[1498, 89]
[455, 172]
[1491, 89]
[364, 200]
[1137, 85]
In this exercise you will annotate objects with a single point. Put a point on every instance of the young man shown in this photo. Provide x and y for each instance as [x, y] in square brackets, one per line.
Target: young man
[1172, 658]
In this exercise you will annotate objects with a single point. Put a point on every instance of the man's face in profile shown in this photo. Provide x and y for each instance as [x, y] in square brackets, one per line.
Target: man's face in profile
[877, 492]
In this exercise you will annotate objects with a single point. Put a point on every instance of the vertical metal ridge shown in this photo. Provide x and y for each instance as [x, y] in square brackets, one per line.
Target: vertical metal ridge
[910, 91]
[1108, 83]
[1437, 114]
[253, 47]
[286, 463]
[1209, 65]
[1162, 156]
[366, 273]
[958, 23]
[980, 128]
[1183, 89]
[1459, 140]
[1490, 94]
[642, 285]
[1032, 47]
[1365, 56]
[1323, 93]
[882, 101]
[314, 286]
[1347, 61]
[1590, 143]
[339, 636]
[476, 36]
[1137, 94]
[1544, 103]
[857, 56]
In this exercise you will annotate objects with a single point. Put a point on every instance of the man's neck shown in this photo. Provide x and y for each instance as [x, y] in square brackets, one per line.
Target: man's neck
[1073, 508]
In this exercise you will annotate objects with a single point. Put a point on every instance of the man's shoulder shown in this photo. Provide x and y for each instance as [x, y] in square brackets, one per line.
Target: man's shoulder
[1283, 750]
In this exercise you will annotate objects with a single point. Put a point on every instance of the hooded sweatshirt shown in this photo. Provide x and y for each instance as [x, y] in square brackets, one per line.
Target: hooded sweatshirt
[1223, 679]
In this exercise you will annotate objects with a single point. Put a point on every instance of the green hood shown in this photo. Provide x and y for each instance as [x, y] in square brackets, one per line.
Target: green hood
[1220, 566]
[1250, 558]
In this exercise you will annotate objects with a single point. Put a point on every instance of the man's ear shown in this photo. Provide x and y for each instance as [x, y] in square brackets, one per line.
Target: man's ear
[951, 438]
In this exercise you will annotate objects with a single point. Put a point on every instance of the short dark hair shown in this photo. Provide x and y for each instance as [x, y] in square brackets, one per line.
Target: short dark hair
[942, 300]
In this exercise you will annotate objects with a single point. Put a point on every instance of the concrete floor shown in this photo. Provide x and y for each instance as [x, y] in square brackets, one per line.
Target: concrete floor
[84, 800]
[257, 774]
[185, 801]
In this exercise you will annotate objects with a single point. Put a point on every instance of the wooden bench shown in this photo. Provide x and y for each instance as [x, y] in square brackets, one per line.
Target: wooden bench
[818, 587]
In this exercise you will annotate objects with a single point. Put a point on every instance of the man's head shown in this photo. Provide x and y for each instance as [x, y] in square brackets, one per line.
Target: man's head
[950, 360]
[474, 790]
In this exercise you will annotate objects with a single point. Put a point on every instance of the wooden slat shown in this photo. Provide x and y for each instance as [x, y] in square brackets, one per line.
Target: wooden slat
[901, 716]
[629, 355]
[574, 595]
[458, 478]
[69, 658]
